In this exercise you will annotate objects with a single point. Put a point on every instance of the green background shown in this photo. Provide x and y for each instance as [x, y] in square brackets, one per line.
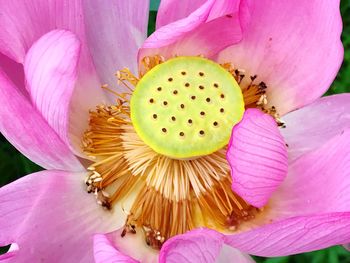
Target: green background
[13, 165]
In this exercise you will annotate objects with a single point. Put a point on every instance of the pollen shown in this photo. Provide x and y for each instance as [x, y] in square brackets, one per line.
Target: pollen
[185, 88]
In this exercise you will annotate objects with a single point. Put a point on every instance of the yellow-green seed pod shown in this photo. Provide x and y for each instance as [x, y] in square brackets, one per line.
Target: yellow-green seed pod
[186, 107]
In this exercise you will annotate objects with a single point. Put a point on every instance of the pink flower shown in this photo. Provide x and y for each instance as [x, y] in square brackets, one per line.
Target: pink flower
[55, 55]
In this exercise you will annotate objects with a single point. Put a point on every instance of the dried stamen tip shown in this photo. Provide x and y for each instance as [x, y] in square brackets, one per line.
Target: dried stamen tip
[154, 239]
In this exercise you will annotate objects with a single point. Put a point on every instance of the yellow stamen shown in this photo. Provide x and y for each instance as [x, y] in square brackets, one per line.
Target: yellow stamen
[192, 193]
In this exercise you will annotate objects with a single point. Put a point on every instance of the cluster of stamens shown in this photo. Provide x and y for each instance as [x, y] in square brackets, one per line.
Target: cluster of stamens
[254, 93]
[174, 195]
[93, 181]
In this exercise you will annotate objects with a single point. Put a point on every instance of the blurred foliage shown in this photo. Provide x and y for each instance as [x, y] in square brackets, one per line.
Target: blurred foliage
[13, 165]
[342, 82]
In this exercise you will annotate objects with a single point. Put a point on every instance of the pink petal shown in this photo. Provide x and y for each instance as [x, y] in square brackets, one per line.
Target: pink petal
[258, 157]
[287, 44]
[318, 182]
[206, 31]
[201, 245]
[170, 11]
[52, 218]
[312, 126]
[131, 247]
[115, 32]
[204, 245]
[228, 253]
[294, 235]
[105, 252]
[13, 70]
[29, 132]
[24, 22]
[51, 72]
[310, 210]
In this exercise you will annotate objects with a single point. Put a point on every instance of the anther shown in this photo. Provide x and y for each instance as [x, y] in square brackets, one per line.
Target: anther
[252, 78]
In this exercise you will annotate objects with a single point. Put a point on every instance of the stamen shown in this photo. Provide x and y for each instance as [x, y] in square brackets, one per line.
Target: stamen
[254, 94]
[191, 192]
[124, 76]
[147, 63]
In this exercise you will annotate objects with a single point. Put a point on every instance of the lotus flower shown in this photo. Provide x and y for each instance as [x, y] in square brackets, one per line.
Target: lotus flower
[163, 163]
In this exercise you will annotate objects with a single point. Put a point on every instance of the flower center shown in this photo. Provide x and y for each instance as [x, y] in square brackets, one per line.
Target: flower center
[186, 107]
[165, 151]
